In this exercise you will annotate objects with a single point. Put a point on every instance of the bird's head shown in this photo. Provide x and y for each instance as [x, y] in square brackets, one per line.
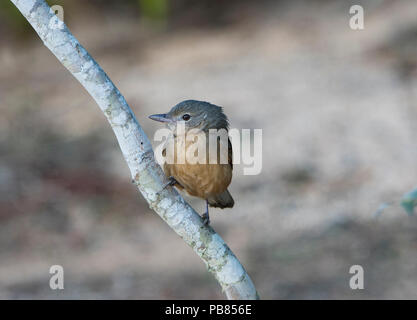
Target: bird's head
[195, 115]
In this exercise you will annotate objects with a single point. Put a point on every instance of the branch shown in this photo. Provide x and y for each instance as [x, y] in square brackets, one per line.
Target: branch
[138, 153]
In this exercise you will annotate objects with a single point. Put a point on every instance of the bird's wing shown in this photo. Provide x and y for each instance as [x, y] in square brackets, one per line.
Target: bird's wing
[229, 151]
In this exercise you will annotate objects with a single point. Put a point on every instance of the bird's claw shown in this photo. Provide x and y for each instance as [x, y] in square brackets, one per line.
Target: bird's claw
[206, 218]
[171, 182]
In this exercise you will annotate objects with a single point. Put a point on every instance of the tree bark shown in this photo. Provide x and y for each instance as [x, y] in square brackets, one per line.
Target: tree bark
[138, 153]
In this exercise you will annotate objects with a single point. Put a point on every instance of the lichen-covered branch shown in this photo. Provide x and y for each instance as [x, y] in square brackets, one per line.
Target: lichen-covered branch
[138, 153]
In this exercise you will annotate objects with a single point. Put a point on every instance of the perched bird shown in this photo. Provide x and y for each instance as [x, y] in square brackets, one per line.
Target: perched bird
[204, 180]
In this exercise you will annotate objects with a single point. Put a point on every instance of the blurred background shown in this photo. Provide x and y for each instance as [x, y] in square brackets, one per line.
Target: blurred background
[338, 113]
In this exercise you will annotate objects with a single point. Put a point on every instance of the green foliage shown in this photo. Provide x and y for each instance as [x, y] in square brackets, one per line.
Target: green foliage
[409, 201]
[154, 9]
[12, 18]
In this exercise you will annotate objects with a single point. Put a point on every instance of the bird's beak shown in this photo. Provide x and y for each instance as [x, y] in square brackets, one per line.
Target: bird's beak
[160, 117]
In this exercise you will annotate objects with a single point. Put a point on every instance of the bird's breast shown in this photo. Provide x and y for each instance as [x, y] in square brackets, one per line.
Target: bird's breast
[198, 179]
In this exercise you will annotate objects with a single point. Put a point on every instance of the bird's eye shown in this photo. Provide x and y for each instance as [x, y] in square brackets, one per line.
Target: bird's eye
[186, 117]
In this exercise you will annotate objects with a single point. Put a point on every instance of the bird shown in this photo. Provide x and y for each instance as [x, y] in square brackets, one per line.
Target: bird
[208, 181]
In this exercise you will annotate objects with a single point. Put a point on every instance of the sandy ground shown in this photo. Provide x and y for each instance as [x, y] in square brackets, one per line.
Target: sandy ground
[338, 112]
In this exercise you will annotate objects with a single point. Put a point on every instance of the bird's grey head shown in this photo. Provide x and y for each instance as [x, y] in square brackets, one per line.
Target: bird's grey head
[195, 115]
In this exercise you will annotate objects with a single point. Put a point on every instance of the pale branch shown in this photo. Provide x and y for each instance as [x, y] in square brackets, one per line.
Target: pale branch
[138, 153]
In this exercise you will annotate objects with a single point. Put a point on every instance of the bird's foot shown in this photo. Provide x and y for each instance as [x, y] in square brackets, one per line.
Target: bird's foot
[171, 182]
[206, 218]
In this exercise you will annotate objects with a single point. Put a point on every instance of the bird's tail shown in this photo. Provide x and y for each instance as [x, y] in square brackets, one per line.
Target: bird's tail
[222, 200]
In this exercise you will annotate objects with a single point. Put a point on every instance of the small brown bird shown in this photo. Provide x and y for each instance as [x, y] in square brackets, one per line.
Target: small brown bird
[204, 180]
